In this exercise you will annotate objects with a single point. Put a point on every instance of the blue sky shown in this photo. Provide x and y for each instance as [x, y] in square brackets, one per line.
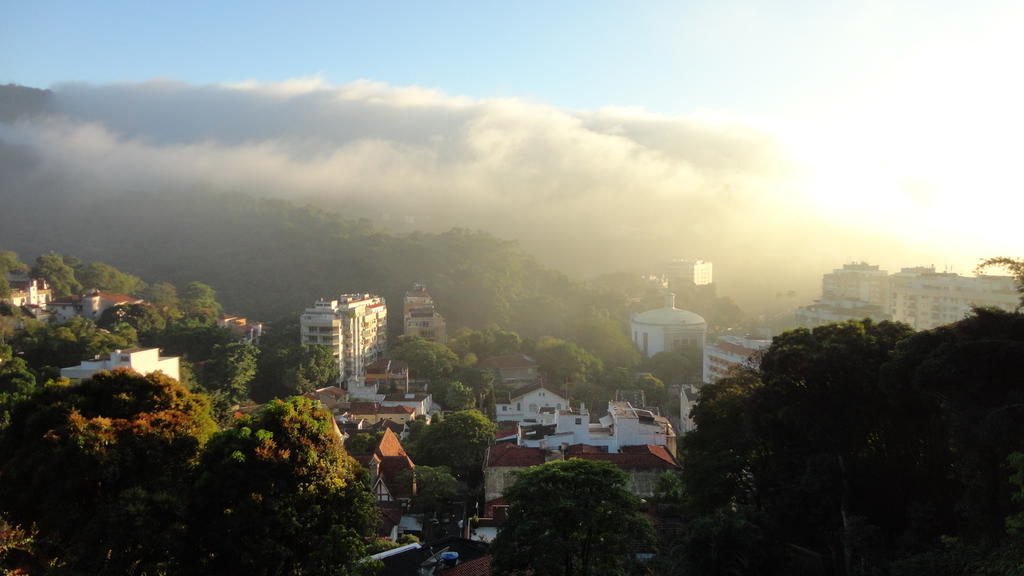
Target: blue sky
[759, 58]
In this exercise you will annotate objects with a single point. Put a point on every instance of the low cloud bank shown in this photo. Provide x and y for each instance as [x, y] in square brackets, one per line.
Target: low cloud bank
[587, 191]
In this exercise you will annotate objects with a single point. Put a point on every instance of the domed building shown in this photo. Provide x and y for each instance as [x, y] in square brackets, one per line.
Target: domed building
[667, 328]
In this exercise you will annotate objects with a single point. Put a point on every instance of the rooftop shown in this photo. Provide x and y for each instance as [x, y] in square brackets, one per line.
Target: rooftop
[514, 456]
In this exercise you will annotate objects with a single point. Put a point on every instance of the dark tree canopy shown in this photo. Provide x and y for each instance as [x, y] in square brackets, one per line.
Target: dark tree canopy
[277, 494]
[861, 448]
[570, 517]
[459, 442]
[426, 359]
[101, 470]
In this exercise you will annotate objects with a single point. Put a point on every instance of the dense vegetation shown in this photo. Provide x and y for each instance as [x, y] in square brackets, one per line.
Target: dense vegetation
[127, 474]
[860, 448]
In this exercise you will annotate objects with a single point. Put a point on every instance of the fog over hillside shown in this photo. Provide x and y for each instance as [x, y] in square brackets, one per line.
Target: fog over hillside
[586, 191]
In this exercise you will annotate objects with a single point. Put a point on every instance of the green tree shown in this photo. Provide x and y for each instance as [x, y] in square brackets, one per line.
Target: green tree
[1014, 266]
[672, 366]
[459, 442]
[199, 304]
[426, 359]
[9, 264]
[454, 395]
[106, 278]
[145, 319]
[230, 371]
[607, 340]
[101, 469]
[277, 494]
[565, 362]
[60, 274]
[17, 383]
[318, 367]
[164, 297]
[492, 341]
[435, 487]
[570, 517]
[61, 345]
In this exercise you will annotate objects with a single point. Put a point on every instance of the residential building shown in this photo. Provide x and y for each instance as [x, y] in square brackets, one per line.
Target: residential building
[388, 464]
[643, 464]
[421, 318]
[388, 375]
[27, 291]
[685, 273]
[421, 403]
[91, 305]
[830, 311]
[853, 292]
[729, 352]
[511, 369]
[926, 299]
[354, 326]
[858, 281]
[502, 462]
[917, 296]
[374, 412]
[141, 360]
[248, 332]
[623, 425]
[527, 404]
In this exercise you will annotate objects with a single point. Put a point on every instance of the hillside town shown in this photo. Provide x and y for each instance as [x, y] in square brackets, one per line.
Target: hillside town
[441, 455]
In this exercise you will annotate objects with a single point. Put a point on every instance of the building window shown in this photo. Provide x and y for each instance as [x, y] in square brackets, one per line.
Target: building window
[579, 421]
[504, 408]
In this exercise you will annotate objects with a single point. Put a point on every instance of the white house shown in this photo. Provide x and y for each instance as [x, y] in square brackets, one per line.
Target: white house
[525, 404]
[91, 305]
[141, 360]
[623, 426]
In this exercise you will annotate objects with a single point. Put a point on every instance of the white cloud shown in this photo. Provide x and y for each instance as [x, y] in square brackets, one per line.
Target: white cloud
[588, 190]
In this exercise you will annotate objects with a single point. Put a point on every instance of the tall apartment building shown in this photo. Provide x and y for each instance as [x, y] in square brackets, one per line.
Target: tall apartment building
[859, 281]
[855, 291]
[685, 273]
[729, 352]
[421, 318]
[925, 299]
[919, 296]
[353, 325]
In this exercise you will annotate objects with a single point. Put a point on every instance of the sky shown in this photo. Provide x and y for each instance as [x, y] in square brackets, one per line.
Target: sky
[899, 119]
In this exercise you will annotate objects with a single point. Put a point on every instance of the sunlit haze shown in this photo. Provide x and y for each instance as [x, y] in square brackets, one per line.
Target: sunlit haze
[778, 139]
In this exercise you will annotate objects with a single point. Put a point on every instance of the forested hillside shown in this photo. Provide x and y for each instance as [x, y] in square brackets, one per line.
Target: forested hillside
[271, 258]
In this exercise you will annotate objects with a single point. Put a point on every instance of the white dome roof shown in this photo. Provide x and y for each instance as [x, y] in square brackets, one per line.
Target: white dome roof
[669, 317]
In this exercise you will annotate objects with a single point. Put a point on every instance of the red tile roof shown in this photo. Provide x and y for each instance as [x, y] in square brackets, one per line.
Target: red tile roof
[394, 461]
[390, 445]
[637, 458]
[514, 456]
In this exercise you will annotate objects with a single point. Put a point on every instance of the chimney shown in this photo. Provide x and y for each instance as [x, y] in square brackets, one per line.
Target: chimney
[670, 300]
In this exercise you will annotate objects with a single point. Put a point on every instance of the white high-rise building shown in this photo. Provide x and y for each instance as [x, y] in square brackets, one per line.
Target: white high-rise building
[919, 297]
[353, 325]
[682, 273]
[926, 299]
[859, 281]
